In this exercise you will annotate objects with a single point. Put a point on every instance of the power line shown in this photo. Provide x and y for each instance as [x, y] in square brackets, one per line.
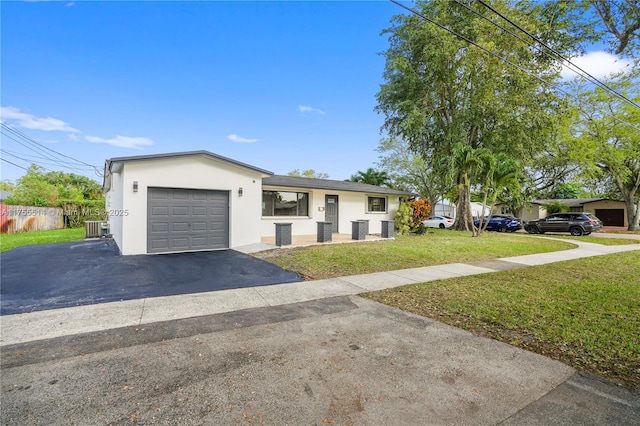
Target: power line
[556, 54]
[502, 58]
[60, 160]
[7, 161]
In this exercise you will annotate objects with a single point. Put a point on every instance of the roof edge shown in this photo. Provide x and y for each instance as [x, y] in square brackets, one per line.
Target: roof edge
[187, 154]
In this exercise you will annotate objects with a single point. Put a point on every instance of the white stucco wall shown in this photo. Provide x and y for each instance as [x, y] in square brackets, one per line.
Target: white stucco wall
[113, 204]
[533, 212]
[351, 206]
[189, 172]
[607, 204]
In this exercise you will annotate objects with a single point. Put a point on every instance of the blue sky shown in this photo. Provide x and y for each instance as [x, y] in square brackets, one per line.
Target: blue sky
[295, 82]
[278, 85]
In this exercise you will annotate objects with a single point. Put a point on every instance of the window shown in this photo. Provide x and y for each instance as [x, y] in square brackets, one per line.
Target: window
[377, 204]
[279, 203]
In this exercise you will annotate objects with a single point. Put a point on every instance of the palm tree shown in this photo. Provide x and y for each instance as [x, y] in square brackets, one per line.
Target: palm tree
[370, 176]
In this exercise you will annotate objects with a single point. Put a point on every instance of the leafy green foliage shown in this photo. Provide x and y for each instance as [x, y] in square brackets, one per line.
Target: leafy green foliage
[309, 173]
[409, 171]
[404, 218]
[454, 103]
[371, 177]
[567, 190]
[40, 189]
[555, 207]
[607, 140]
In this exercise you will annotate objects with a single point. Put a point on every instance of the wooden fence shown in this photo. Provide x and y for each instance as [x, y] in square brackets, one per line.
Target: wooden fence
[15, 219]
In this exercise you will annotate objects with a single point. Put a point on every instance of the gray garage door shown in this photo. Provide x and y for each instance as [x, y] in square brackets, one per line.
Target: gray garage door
[187, 219]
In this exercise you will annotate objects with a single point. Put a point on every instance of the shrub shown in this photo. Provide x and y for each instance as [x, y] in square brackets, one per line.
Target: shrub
[404, 218]
[76, 212]
[421, 211]
[555, 207]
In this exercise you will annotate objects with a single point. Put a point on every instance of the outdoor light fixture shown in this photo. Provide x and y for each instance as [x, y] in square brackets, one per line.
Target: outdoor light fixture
[240, 192]
[135, 186]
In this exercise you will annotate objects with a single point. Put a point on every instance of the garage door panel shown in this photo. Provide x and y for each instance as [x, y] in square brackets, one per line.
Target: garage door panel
[180, 211]
[159, 244]
[180, 243]
[199, 226]
[160, 194]
[159, 227]
[187, 219]
[180, 194]
[199, 211]
[160, 211]
[180, 227]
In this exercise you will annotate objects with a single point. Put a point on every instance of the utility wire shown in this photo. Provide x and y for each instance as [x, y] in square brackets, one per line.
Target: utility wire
[558, 55]
[7, 161]
[48, 153]
[502, 58]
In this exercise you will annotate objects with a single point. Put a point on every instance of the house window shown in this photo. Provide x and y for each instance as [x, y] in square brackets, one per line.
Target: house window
[280, 203]
[377, 204]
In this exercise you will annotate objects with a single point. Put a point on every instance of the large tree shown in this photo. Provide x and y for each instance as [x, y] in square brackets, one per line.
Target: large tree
[619, 24]
[408, 171]
[607, 138]
[445, 95]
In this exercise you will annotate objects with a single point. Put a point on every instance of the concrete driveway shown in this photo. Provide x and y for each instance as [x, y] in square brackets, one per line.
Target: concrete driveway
[52, 276]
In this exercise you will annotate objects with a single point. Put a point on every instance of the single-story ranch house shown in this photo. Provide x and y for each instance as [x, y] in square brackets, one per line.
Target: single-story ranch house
[190, 201]
[610, 212]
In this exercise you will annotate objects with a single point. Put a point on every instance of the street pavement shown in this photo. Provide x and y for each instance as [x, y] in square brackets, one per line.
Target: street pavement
[297, 353]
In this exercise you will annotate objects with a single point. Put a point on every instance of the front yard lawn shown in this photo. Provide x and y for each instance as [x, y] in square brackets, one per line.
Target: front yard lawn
[11, 241]
[585, 312]
[435, 248]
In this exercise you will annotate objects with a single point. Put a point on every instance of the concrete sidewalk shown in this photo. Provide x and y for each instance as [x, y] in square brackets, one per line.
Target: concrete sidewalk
[299, 353]
[40, 325]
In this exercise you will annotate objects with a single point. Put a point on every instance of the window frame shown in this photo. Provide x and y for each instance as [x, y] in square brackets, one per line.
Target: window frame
[369, 204]
[305, 195]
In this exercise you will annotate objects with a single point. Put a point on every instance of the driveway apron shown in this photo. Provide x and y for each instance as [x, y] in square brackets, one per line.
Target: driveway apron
[62, 275]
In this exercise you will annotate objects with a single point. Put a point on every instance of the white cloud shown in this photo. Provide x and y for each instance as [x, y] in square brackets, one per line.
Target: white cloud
[599, 64]
[73, 137]
[122, 141]
[304, 109]
[236, 138]
[29, 121]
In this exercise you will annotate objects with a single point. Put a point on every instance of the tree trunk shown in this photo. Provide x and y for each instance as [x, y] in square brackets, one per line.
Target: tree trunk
[464, 219]
[633, 213]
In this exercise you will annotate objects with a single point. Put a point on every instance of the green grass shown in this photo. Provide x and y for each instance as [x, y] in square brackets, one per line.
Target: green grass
[435, 248]
[11, 241]
[565, 310]
[597, 240]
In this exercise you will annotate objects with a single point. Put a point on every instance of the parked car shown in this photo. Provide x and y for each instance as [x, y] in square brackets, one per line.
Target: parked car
[575, 223]
[441, 222]
[500, 223]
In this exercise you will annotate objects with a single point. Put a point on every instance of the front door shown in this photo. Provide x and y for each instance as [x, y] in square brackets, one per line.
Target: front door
[331, 211]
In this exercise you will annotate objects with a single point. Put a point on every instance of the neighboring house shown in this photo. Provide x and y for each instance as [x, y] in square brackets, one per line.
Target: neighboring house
[190, 201]
[610, 212]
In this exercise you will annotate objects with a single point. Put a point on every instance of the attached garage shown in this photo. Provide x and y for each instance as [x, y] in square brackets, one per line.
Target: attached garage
[186, 220]
[611, 217]
[186, 201]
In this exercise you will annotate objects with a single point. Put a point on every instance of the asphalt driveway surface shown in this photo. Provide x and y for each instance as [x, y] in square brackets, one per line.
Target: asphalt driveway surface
[51, 276]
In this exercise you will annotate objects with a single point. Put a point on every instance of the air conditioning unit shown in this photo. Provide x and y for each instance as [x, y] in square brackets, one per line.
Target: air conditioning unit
[96, 229]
